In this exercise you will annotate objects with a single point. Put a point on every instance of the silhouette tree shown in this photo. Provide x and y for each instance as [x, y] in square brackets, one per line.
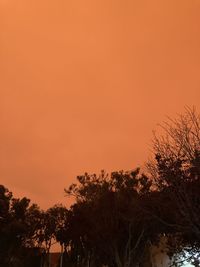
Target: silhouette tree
[107, 224]
[176, 173]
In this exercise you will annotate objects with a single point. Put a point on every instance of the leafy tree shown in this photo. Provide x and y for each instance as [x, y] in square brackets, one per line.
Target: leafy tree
[107, 224]
[26, 232]
[19, 223]
[176, 174]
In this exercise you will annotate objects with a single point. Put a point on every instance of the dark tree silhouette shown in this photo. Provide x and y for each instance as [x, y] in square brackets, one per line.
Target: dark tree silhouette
[176, 174]
[116, 218]
[18, 226]
[112, 228]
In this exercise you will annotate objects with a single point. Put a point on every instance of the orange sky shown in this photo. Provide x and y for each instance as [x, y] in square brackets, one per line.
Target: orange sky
[84, 82]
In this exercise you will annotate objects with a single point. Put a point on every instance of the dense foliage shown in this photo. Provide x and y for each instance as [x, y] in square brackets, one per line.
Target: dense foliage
[115, 218]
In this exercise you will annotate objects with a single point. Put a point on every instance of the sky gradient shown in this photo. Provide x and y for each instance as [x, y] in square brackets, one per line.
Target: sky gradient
[84, 83]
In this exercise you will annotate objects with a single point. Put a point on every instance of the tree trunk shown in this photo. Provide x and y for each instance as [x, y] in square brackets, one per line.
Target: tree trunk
[61, 256]
[117, 258]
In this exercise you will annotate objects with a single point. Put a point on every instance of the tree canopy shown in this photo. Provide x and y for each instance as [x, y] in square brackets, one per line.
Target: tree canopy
[116, 218]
